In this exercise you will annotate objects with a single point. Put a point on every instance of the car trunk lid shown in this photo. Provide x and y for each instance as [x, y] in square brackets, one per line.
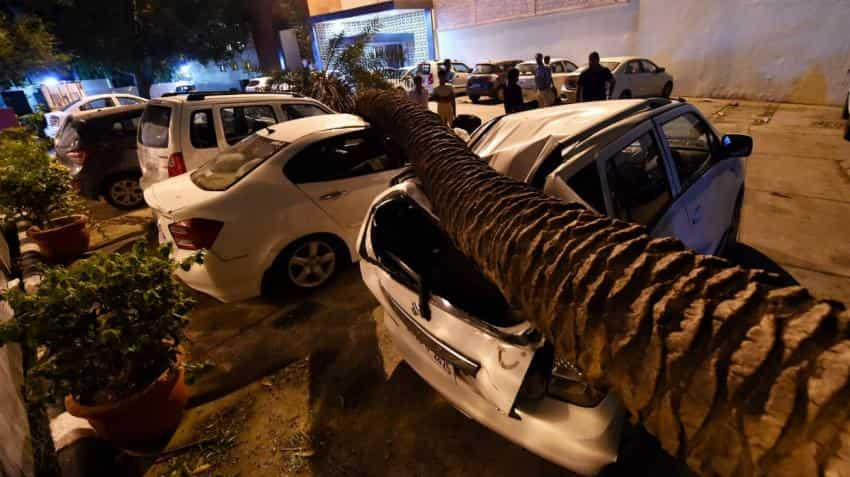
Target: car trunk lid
[435, 292]
[175, 194]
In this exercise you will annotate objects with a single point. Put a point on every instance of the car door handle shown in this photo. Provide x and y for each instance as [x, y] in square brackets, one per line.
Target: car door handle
[333, 195]
[697, 215]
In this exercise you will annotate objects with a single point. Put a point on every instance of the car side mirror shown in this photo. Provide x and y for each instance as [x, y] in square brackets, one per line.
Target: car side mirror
[737, 145]
[660, 70]
[467, 122]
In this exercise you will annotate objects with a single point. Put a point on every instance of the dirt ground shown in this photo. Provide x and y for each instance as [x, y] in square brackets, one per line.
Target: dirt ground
[311, 385]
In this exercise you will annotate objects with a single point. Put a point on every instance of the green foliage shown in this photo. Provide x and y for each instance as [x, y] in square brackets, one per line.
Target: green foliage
[35, 122]
[146, 37]
[25, 45]
[105, 327]
[32, 183]
[348, 69]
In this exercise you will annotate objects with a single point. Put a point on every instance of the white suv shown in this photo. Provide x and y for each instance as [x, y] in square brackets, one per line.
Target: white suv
[179, 133]
[654, 162]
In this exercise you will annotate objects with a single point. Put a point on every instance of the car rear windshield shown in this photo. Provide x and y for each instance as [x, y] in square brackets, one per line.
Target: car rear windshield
[527, 68]
[235, 163]
[485, 69]
[153, 131]
[253, 82]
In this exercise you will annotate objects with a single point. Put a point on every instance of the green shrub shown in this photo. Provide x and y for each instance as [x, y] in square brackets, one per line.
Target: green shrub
[33, 184]
[105, 327]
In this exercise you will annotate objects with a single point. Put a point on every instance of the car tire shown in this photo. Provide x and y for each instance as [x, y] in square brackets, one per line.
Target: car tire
[667, 90]
[306, 264]
[123, 191]
[500, 95]
[627, 94]
[845, 113]
[474, 98]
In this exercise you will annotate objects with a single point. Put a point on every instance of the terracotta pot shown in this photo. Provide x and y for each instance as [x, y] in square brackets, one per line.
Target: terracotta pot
[146, 416]
[66, 239]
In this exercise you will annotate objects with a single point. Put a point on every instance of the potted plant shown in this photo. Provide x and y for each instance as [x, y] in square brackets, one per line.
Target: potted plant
[107, 330]
[35, 187]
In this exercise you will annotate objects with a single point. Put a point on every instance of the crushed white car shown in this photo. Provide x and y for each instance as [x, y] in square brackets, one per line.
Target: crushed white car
[658, 163]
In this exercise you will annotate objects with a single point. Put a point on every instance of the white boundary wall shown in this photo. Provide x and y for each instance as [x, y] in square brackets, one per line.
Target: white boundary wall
[782, 50]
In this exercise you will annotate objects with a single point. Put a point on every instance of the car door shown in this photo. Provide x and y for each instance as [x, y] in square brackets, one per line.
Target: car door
[636, 182]
[653, 83]
[631, 78]
[344, 173]
[707, 184]
[461, 76]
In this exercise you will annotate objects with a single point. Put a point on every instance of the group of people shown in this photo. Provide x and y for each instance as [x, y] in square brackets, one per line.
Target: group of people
[444, 93]
[595, 83]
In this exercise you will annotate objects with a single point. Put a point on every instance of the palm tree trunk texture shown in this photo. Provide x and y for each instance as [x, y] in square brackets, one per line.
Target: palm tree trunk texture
[733, 373]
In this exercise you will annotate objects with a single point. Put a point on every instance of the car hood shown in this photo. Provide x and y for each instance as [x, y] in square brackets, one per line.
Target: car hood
[175, 194]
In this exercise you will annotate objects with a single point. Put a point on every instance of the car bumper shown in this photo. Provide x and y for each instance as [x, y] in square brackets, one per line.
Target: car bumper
[225, 280]
[581, 439]
[476, 90]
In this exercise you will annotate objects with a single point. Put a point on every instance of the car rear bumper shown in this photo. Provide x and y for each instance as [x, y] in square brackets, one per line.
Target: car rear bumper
[581, 439]
[225, 280]
[480, 90]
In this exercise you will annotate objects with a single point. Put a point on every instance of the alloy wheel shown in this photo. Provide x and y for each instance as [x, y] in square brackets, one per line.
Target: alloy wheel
[311, 264]
[126, 193]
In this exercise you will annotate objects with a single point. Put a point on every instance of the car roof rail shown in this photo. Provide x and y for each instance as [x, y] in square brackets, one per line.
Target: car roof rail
[201, 95]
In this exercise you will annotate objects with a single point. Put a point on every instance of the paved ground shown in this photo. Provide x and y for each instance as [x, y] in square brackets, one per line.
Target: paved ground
[327, 395]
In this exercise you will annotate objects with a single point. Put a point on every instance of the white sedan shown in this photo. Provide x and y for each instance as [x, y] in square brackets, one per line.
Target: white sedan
[56, 119]
[281, 208]
[655, 162]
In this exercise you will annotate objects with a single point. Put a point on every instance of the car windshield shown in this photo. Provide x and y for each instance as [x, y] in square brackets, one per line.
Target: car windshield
[527, 68]
[485, 69]
[236, 162]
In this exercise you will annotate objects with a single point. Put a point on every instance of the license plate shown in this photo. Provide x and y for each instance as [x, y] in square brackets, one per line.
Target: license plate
[447, 367]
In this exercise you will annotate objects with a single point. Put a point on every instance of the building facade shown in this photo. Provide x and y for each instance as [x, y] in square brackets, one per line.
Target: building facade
[783, 50]
[401, 32]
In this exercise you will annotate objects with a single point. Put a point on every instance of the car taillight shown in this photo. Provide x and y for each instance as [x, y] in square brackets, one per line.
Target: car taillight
[78, 156]
[195, 234]
[568, 384]
[176, 165]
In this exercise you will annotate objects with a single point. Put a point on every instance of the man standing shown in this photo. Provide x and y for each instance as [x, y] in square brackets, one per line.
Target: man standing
[513, 93]
[595, 81]
[450, 74]
[543, 82]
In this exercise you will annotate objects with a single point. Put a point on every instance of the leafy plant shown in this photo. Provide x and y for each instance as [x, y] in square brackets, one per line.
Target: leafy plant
[347, 69]
[26, 45]
[33, 184]
[105, 327]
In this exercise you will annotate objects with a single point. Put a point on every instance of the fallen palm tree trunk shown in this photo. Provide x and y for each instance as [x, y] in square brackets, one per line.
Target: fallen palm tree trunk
[733, 373]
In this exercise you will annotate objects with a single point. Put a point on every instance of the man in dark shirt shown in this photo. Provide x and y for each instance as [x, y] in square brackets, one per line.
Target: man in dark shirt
[594, 81]
[513, 93]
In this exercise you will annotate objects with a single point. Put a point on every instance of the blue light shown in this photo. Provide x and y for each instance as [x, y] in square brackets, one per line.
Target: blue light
[185, 69]
[49, 81]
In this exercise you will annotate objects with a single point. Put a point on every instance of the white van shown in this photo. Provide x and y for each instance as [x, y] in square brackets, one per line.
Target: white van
[179, 133]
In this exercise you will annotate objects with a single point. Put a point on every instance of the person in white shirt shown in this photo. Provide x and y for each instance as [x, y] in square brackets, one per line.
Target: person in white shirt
[418, 94]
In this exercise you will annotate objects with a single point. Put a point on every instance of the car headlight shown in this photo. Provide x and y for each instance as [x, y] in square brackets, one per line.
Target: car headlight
[568, 384]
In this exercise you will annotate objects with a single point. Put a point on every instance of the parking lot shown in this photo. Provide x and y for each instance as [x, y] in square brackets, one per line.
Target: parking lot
[311, 385]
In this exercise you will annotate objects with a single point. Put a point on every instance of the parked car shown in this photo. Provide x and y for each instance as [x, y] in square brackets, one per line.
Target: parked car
[258, 85]
[180, 133]
[655, 162]
[279, 209]
[561, 68]
[429, 71]
[489, 79]
[635, 78]
[99, 148]
[56, 119]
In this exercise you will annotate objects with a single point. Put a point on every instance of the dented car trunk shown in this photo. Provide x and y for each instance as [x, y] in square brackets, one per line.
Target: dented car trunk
[456, 329]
